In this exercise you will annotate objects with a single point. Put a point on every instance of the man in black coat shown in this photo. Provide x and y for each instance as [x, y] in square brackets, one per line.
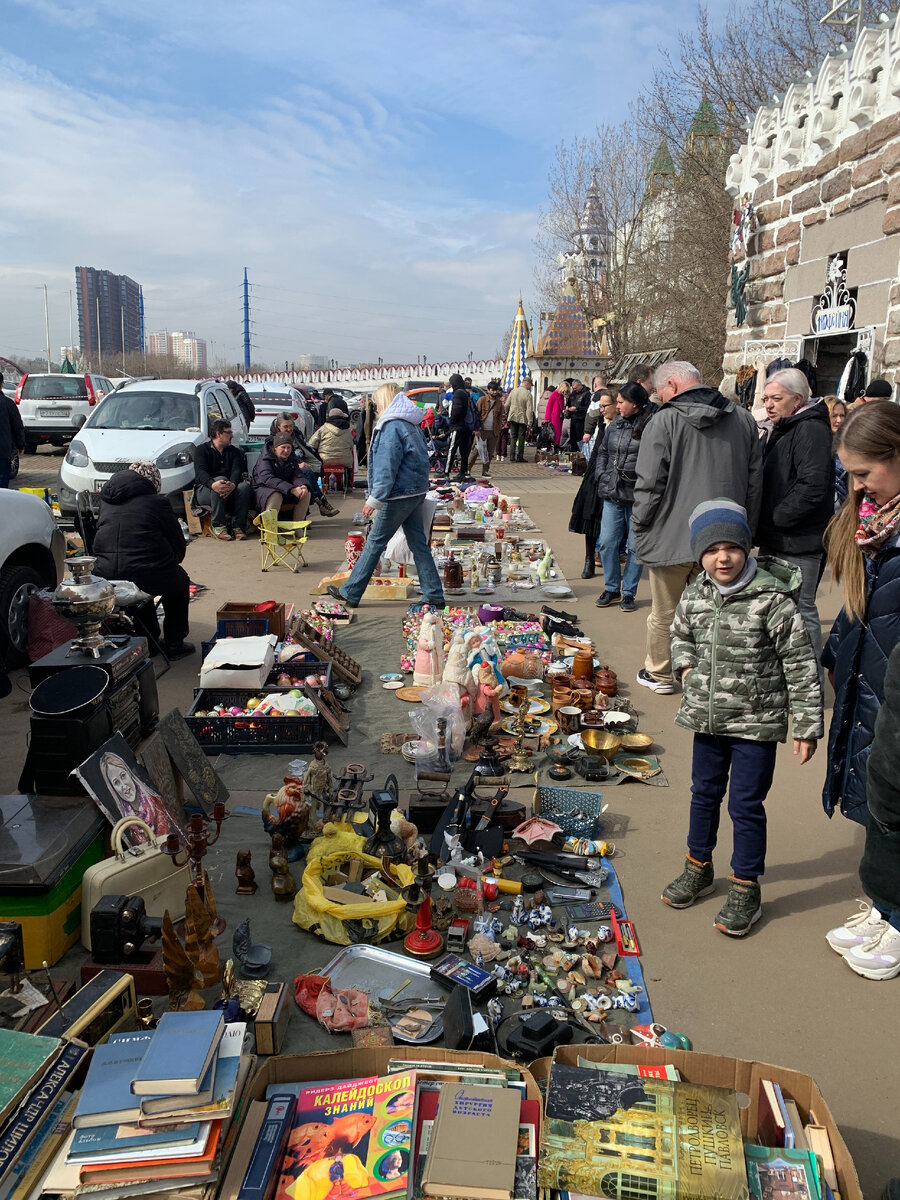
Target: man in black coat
[220, 485]
[243, 401]
[576, 410]
[12, 435]
[138, 538]
[461, 435]
[798, 486]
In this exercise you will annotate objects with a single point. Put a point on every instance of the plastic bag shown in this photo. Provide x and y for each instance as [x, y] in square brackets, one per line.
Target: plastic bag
[440, 702]
[397, 549]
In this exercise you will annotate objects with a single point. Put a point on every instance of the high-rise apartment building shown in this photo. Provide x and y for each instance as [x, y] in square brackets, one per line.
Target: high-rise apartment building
[185, 348]
[110, 321]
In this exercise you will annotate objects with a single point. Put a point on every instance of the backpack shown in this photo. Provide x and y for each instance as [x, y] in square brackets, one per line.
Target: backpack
[473, 417]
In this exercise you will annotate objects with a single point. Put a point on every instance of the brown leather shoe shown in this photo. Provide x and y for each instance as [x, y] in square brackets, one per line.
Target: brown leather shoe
[240, 536]
[222, 534]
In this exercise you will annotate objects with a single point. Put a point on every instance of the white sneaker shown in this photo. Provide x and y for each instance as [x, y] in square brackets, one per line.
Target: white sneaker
[868, 923]
[879, 958]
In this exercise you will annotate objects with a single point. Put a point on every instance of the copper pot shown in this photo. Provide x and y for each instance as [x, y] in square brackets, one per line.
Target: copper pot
[453, 573]
[607, 682]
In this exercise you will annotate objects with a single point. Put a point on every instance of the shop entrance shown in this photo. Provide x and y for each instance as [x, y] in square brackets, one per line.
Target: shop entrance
[829, 355]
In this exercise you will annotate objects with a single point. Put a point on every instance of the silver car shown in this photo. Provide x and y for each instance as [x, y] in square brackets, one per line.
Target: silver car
[32, 556]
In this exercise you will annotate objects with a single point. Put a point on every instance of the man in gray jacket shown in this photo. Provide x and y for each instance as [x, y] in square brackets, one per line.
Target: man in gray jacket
[698, 447]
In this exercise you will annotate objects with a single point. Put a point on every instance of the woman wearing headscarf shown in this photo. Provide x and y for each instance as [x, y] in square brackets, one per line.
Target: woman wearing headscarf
[138, 538]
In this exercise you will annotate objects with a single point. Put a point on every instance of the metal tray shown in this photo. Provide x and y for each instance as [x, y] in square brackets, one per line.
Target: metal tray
[372, 970]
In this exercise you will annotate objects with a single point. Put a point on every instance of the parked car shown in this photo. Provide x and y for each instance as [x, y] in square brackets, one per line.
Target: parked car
[352, 397]
[160, 420]
[32, 556]
[272, 399]
[50, 405]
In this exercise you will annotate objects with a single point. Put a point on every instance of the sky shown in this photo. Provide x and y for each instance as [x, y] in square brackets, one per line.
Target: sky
[377, 167]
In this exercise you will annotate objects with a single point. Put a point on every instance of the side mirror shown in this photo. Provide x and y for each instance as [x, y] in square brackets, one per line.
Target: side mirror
[78, 420]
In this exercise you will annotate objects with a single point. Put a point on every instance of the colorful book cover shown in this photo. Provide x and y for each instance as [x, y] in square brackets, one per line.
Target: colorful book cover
[609, 1134]
[647, 1070]
[353, 1135]
[782, 1172]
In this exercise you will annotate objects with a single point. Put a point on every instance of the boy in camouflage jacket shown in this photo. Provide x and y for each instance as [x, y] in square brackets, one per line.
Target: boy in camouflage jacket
[745, 661]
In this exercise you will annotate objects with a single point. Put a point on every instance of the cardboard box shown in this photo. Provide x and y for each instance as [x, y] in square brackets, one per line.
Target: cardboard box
[373, 1060]
[238, 618]
[743, 1075]
[239, 662]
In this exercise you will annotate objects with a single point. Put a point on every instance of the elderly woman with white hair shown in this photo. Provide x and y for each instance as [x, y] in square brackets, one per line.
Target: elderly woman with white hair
[798, 485]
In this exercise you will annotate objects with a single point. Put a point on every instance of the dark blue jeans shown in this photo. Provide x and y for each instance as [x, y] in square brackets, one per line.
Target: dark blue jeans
[752, 766]
[5, 468]
[388, 519]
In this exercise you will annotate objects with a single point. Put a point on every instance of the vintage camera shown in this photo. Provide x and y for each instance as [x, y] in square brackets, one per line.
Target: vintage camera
[119, 927]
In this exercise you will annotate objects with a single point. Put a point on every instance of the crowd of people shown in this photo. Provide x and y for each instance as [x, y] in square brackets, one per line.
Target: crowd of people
[684, 481]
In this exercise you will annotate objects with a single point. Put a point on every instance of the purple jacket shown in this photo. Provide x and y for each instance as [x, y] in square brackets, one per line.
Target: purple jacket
[272, 474]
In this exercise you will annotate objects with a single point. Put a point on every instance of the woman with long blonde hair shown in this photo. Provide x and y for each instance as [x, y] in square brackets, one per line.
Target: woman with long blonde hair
[863, 543]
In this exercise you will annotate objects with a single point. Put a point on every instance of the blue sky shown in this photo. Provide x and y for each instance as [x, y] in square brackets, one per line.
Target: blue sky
[378, 167]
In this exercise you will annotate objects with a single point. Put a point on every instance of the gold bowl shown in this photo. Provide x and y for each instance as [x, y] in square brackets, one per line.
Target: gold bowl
[636, 741]
[600, 743]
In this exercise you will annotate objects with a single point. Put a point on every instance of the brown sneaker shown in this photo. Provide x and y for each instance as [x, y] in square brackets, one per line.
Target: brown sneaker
[240, 536]
[220, 532]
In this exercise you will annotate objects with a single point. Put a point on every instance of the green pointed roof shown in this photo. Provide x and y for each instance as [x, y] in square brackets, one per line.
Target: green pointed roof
[704, 121]
[662, 163]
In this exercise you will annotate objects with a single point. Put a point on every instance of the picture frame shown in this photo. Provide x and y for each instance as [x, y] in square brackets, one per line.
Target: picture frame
[120, 787]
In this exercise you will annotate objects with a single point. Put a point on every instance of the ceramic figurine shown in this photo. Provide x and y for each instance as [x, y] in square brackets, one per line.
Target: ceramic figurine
[253, 957]
[246, 876]
[318, 779]
[283, 883]
[543, 570]
[519, 915]
[429, 665]
[488, 695]
[456, 668]
[287, 812]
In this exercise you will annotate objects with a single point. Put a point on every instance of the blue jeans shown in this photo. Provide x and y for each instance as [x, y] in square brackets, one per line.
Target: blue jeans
[614, 525]
[5, 468]
[810, 566]
[388, 519]
[752, 766]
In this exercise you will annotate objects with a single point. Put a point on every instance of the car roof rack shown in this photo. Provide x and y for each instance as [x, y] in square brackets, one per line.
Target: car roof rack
[133, 379]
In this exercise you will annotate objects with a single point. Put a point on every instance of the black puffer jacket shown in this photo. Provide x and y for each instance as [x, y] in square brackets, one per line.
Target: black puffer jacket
[459, 408]
[798, 483]
[12, 433]
[858, 652]
[879, 870]
[138, 535]
[616, 469]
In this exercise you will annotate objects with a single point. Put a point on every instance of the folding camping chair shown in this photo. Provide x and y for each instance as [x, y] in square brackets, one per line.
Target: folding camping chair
[281, 541]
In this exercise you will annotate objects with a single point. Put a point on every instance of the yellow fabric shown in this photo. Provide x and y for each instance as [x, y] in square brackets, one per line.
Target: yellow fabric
[314, 912]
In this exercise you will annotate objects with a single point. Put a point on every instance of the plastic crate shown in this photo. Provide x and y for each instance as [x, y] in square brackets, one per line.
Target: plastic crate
[237, 619]
[234, 735]
[298, 671]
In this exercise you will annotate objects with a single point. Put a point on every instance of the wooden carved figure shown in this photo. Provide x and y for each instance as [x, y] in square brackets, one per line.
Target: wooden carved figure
[182, 975]
[283, 883]
[246, 876]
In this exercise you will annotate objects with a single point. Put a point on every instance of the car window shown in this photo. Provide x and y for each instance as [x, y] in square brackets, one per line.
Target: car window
[147, 410]
[227, 405]
[213, 407]
[47, 387]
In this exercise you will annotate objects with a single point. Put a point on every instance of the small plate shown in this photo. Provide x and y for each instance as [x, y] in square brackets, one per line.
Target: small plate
[556, 589]
[392, 677]
[546, 726]
[393, 685]
[454, 591]
[483, 591]
[408, 749]
[570, 659]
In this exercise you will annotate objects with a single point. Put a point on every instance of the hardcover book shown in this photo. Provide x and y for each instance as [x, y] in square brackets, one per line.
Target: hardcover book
[52, 1085]
[781, 1171]
[180, 1052]
[212, 1100]
[609, 1134]
[485, 1122]
[114, 1143]
[107, 1098]
[22, 1058]
[353, 1132]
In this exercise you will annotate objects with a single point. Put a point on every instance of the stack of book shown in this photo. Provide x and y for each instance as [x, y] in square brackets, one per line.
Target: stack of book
[395, 1136]
[154, 1113]
[38, 1080]
[791, 1157]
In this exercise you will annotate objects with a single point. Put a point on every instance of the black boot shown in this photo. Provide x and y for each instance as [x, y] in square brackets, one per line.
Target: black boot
[588, 572]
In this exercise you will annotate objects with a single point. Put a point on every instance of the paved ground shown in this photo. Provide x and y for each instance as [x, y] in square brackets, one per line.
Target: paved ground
[779, 995]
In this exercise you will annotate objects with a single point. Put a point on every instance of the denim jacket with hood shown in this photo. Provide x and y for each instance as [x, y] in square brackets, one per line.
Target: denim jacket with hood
[398, 457]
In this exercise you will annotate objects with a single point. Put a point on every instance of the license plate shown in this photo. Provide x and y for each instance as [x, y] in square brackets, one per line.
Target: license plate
[54, 414]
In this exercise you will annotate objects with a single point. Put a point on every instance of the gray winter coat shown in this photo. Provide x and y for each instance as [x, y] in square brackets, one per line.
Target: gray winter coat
[698, 447]
[617, 459]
